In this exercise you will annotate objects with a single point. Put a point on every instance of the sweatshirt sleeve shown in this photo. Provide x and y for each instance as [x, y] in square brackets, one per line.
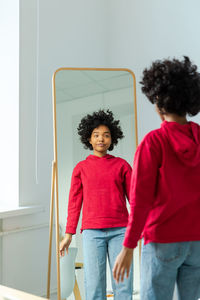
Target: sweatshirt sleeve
[75, 201]
[142, 190]
[127, 179]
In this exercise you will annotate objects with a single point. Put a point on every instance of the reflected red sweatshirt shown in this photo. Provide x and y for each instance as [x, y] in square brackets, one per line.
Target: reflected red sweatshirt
[165, 186]
[100, 185]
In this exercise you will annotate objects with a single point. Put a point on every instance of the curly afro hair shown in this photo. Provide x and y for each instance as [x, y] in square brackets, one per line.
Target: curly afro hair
[101, 117]
[173, 85]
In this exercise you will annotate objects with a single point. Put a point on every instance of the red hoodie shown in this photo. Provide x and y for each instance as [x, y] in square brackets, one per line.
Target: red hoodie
[165, 186]
[101, 184]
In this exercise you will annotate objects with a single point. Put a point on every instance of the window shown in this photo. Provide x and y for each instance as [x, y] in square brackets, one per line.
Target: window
[9, 99]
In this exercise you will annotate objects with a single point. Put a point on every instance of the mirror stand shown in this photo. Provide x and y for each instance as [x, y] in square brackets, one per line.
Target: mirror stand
[54, 195]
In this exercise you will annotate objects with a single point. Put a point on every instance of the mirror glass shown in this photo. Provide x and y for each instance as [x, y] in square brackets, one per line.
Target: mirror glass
[77, 93]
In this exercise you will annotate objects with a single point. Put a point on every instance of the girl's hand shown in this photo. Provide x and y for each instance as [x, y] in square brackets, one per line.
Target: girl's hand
[65, 244]
[123, 264]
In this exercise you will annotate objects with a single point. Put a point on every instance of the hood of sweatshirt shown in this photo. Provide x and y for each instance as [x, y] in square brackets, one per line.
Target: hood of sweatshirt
[185, 141]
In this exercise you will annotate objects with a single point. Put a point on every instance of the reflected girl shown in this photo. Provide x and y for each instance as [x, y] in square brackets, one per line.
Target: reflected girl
[100, 184]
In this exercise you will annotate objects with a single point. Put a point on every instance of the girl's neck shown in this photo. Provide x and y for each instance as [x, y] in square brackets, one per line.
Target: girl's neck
[99, 154]
[171, 117]
[175, 118]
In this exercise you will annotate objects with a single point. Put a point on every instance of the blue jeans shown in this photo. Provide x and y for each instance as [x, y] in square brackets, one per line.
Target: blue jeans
[97, 245]
[163, 265]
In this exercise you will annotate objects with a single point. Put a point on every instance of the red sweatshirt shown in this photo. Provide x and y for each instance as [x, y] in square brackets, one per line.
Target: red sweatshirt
[165, 186]
[101, 184]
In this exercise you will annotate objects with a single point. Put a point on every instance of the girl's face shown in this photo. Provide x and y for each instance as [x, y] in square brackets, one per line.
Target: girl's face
[100, 140]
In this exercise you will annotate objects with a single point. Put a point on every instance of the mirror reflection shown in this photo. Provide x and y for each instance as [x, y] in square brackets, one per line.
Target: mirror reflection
[79, 93]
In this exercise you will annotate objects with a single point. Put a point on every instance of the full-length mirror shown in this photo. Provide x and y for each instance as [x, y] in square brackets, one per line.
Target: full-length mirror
[78, 92]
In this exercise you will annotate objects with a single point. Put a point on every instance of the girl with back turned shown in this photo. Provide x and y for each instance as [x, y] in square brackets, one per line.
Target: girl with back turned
[165, 188]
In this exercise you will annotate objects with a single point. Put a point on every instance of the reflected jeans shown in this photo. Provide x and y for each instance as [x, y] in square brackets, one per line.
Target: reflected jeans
[163, 265]
[98, 244]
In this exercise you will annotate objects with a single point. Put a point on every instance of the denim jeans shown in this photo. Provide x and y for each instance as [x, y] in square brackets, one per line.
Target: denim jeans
[98, 244]
[163, 265]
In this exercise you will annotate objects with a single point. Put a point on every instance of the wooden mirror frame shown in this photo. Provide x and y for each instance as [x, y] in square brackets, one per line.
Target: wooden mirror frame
[54, 182]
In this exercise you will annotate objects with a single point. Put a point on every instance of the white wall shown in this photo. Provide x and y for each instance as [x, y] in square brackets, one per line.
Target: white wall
[88, 33]
[141, 31]
[42, 51]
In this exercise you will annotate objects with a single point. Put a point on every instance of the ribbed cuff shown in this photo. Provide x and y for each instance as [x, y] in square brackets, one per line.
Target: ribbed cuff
[70, 229]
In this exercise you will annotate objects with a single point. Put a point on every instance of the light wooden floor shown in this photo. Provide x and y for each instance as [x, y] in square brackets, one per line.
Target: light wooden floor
[7, 293]
[135, 297]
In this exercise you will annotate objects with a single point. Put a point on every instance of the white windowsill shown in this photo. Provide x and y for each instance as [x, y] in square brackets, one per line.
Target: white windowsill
[6, 212]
